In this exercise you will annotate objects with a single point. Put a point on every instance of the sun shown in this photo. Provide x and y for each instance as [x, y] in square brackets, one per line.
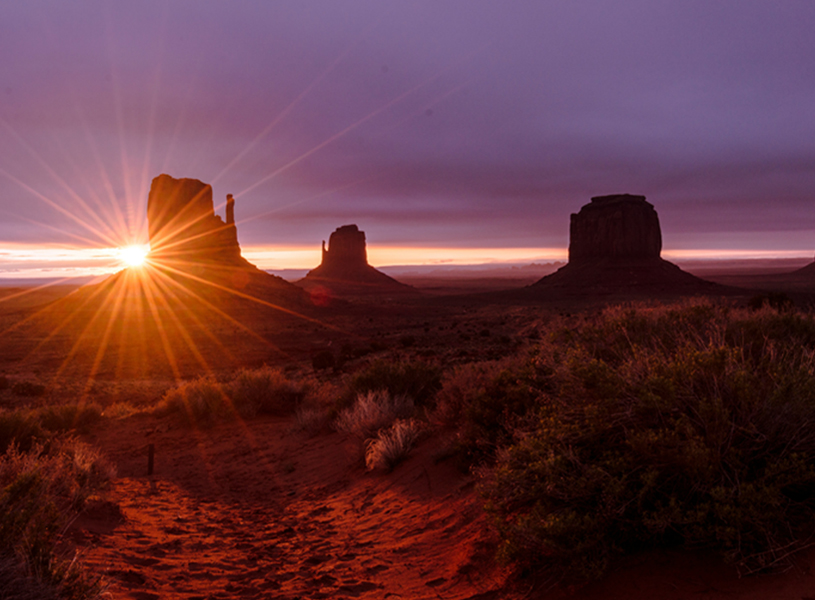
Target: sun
[133, 256]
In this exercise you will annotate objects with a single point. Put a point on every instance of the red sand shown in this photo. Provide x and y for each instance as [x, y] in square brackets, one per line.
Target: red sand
[259, 511]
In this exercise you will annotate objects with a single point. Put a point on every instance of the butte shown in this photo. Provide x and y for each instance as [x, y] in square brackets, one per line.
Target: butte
[344, 270]
[615, 244]
[190, 243]
[195, 306]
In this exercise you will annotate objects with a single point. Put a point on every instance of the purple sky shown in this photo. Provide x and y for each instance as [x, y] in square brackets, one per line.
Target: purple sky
[470, 123]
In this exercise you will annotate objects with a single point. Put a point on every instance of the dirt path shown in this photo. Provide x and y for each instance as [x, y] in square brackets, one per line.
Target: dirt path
[259, 511]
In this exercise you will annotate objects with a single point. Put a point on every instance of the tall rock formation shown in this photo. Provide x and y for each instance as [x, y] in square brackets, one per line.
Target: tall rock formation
[614, 247]
[184, 228]
[344, 270]
[187, 237]
[621, 226]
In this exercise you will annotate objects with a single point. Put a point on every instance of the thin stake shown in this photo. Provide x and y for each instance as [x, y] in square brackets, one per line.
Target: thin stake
[151, 450]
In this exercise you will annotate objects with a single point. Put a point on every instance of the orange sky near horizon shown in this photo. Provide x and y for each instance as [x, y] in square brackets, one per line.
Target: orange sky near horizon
[28, 261]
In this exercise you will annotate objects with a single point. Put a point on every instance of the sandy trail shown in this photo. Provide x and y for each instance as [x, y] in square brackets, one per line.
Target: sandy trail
[258, 511]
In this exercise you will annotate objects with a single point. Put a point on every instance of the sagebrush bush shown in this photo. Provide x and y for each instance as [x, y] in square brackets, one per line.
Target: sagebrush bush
[392, 445]
[20, 426]
[417, 380]
[265, 391]
[65, 417]
[692, 424]
[121, 410]
[26, 425]
[311, 419]
[40, 492]
[372, 411]
[201, 401]
[252, 392]
[486, 402]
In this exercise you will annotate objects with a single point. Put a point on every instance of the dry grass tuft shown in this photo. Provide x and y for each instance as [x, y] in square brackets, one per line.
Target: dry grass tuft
[391, 446]
[372, 411]
[41, 490]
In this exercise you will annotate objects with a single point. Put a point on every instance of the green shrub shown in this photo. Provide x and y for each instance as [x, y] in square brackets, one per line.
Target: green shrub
[691, 424]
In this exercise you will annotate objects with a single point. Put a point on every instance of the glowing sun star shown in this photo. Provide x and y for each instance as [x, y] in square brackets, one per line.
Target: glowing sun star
[133, 256]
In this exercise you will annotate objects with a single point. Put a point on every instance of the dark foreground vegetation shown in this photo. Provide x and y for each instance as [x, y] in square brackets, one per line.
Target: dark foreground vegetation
[41, 490]
[690, 425]
[687, 425]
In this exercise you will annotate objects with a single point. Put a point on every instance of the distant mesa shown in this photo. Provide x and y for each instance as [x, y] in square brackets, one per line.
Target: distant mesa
[614, 246]
[344, 269]
[184, 228]
[621, 226]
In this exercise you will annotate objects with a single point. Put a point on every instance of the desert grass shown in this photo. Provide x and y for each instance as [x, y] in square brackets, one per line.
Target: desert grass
[41, 490]
[311, 419]
[252, 392]
[121, 410]
[418, 380]
[24, 426]
[372, 411]
[392, 445]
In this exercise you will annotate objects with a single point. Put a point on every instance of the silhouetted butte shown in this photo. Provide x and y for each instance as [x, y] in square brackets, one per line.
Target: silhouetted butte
[344, 269]
[614, 246]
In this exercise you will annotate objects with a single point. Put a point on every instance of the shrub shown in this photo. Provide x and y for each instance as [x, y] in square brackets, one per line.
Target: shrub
[663, 426]
[372, 411]
[201, 401]
[391, 446]
[777, 300]
[40, 491]
[25, 425]
[417, 380]
[265, 391]
[27, 388]
[79, 417]
[486, 401]
[20, 426]
[311, 420]
[250, 393]
[120, 410]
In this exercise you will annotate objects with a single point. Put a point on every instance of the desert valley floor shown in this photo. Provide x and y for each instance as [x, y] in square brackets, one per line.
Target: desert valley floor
[259, 509]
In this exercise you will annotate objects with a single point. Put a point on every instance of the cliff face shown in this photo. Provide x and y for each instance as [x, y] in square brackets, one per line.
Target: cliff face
[618, 226]
[183, 226]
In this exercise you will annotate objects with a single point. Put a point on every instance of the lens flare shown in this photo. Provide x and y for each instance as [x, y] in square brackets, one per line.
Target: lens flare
[133, 256]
